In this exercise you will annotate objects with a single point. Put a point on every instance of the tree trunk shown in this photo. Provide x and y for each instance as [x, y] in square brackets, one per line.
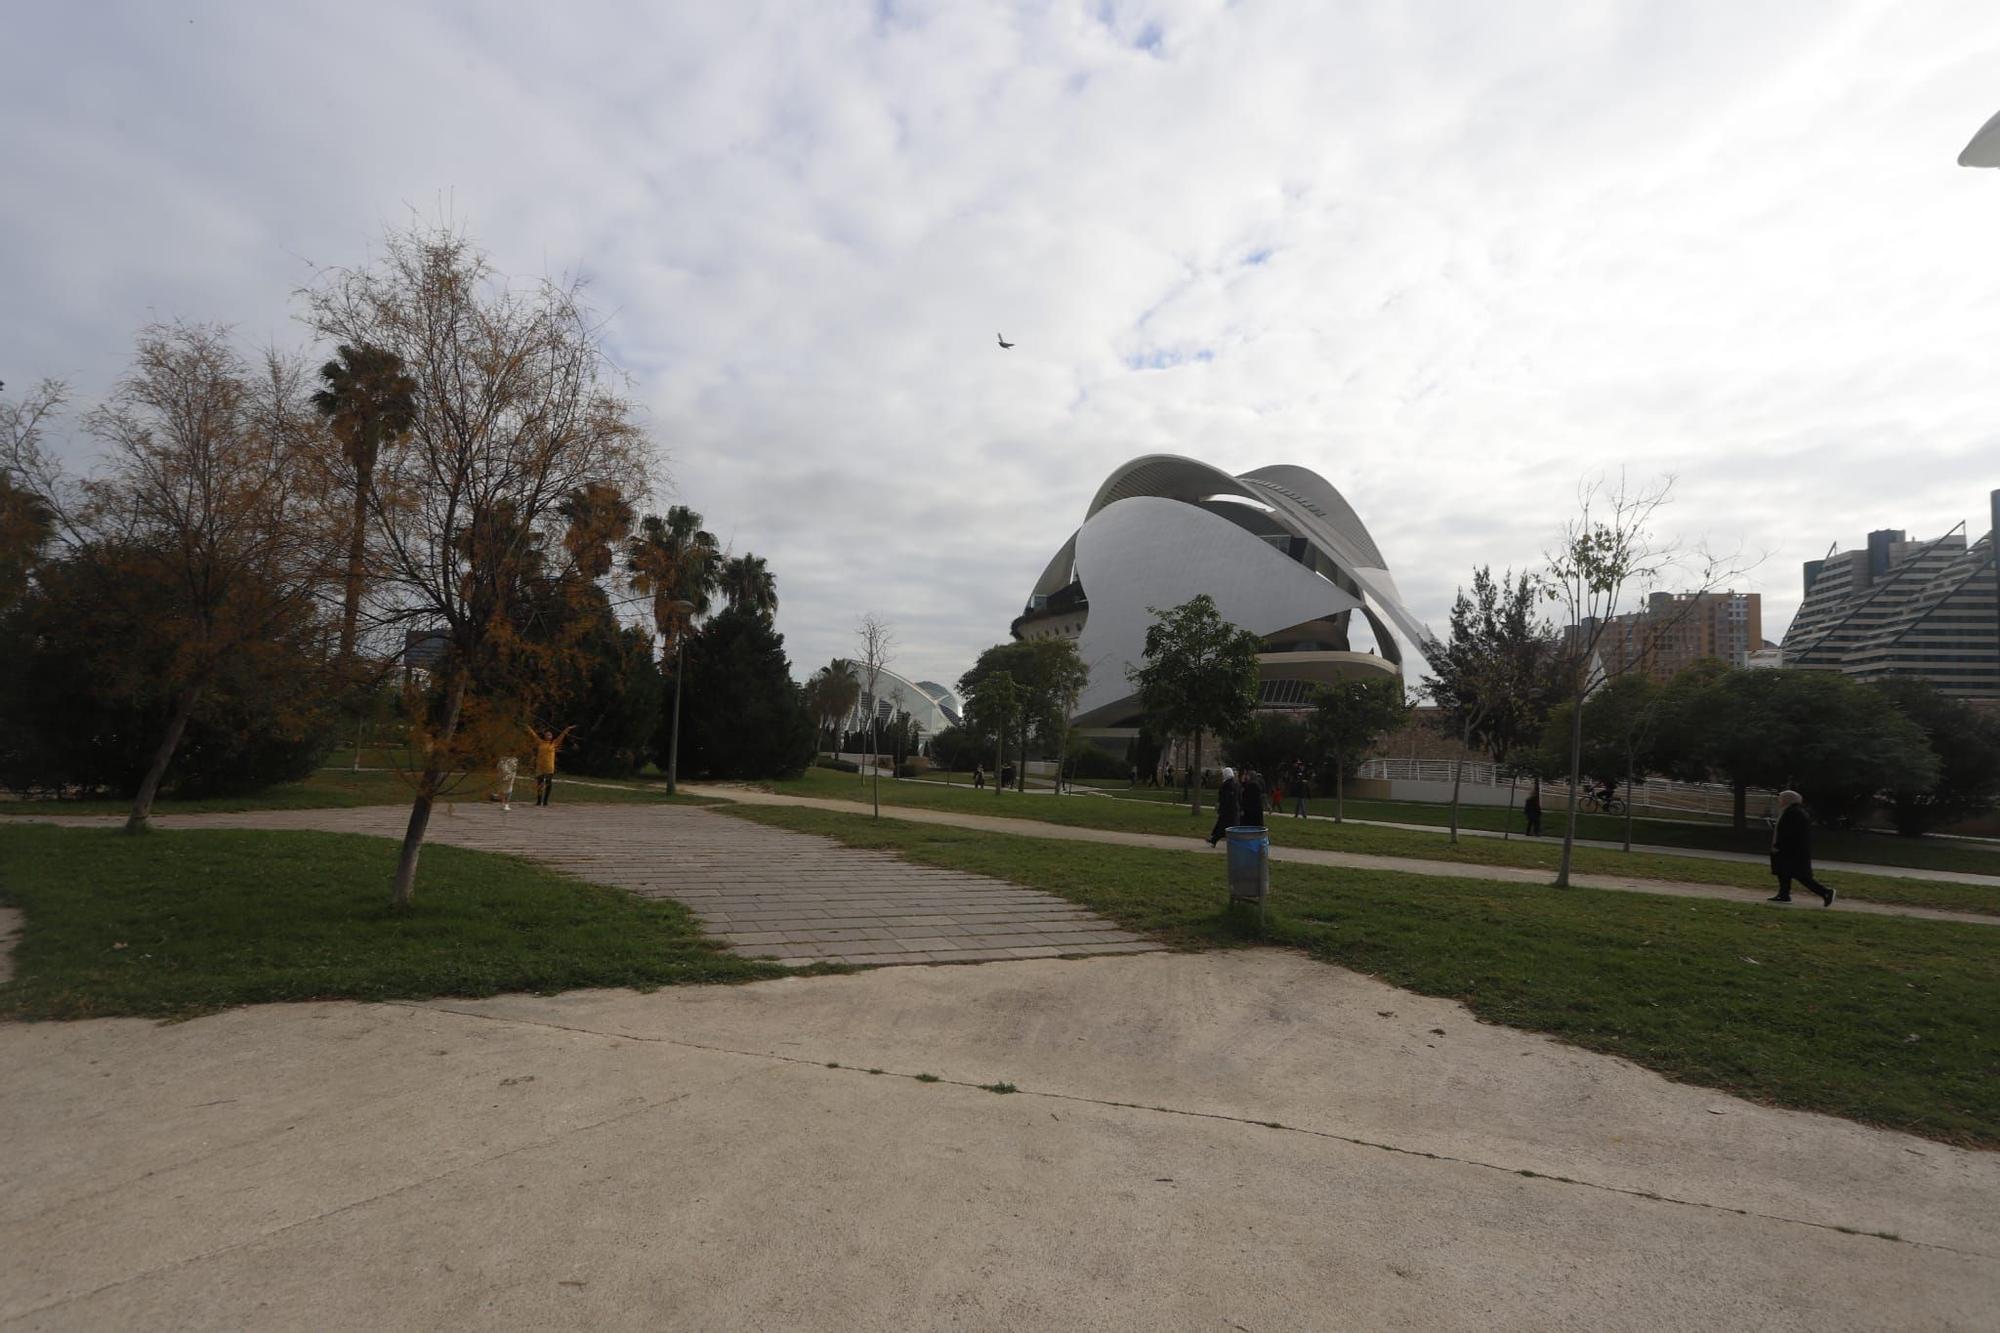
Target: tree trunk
[999, 756]
[1458, 775]
[357, 550]
[140, 820]
[1507, 829]
[427, 787]
[1194, 779]
[1630, 792]
[875, 762]
[1569, 816]
[1339, 789]
[1740, 805]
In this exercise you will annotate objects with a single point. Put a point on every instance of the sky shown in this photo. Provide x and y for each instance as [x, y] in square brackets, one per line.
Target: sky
[1458, 258]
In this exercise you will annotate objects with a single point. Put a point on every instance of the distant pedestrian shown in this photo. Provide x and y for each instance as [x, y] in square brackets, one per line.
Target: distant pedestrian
[1791, 850]
[1225, 806]
[1533, 810]
[547, 742]
[1169, 780]
[978, 777]
[506, 772]
[1250, 798]
[1135, 777]
[1006, 776]
[1299, 782]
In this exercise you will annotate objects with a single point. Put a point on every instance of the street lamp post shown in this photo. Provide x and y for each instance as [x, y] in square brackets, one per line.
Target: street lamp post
[1984, 151]
[682, 610]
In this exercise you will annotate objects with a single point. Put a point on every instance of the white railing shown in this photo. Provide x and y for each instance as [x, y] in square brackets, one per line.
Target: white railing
[1704, 798]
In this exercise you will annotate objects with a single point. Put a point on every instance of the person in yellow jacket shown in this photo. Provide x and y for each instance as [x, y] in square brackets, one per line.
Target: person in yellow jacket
[546, 744]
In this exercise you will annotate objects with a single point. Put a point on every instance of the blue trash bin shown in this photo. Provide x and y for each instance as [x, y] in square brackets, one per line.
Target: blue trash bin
[1249, 862]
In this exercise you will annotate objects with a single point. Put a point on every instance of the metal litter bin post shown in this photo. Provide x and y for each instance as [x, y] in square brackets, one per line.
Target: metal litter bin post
[1250, 866]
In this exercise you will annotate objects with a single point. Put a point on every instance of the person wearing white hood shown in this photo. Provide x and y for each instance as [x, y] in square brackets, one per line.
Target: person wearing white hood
[1791, 850]
[1225, 806]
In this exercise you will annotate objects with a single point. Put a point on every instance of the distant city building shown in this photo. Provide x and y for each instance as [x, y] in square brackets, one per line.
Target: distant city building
[1280, 551]
[1676, 630]
[1902, 607]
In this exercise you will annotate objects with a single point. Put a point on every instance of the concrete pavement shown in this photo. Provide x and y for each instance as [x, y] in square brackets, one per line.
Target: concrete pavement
[688, 1159]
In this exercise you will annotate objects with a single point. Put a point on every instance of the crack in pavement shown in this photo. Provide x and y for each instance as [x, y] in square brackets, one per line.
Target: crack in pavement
[1331, 1135]
[379, 1195]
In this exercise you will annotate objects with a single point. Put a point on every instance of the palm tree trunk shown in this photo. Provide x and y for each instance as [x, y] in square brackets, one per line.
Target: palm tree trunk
[357, 549]
[142, 804]
[427, 789]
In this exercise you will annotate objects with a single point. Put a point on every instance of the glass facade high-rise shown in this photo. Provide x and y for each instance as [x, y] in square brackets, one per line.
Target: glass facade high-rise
[1902, 607]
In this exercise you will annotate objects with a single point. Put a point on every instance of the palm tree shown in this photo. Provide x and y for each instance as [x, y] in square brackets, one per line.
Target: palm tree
[598, 518]
[749, 585]
[368, 401]
[677, 564]
[834, 690]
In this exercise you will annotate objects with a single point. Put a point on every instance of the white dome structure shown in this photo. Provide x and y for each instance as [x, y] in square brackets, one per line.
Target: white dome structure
[1279, 550]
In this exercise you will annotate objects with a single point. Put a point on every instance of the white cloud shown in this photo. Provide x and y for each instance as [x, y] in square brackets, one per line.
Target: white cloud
[1452, 259]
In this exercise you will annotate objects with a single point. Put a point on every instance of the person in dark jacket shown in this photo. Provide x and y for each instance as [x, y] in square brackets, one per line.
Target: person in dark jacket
[1250, 798]
[1225, 806]
[1533, 810]
[1791, 850]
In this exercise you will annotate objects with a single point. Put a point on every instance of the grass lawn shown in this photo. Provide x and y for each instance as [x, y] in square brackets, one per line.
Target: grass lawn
[1544, 853]
[180, 923]
[339, 788]
[1705, 834]
[1877, 1019]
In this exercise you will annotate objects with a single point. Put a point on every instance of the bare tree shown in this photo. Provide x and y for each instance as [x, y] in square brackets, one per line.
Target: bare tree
[512, 413]
[1606, 560]
[877, 642]
[31, 511]
[206, 493]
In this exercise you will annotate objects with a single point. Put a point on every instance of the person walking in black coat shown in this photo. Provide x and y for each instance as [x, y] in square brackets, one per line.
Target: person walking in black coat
[1250, 798]
[1533, 810]
[1791, 850]
[1225, 806]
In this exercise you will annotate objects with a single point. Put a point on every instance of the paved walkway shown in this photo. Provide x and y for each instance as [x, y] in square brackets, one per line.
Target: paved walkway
[765, 892]
[1035, 828]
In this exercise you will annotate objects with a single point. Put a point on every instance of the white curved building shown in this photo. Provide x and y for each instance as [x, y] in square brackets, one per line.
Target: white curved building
[930, 705]
[1281, 552]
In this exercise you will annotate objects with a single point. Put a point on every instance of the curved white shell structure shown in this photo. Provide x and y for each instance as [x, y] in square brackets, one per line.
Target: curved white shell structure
[1279, 549]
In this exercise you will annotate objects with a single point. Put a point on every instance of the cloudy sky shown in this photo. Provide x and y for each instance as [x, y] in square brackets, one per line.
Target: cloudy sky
[1456, 257]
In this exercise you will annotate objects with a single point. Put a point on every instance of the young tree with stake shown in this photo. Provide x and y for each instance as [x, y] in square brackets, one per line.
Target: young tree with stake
[513, 412]
[1199, 675]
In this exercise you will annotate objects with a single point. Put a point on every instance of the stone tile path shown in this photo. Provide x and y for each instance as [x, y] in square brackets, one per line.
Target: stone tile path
[767, 893]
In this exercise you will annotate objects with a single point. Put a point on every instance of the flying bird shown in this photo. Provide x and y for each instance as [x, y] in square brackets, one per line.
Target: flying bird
[1003, 340]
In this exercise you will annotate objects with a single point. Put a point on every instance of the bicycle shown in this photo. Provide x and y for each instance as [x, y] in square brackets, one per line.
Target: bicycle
[1595, 804]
